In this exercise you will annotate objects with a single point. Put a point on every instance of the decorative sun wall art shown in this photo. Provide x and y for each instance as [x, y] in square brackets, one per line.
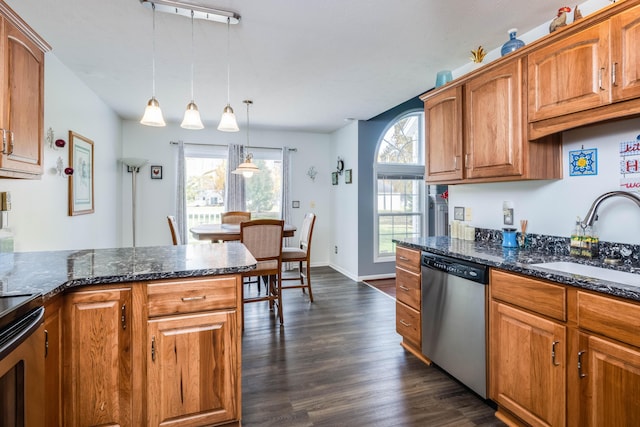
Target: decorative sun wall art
[583, 162]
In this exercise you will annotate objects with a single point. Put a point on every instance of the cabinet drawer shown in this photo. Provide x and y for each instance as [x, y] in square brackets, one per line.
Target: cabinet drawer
[409, 259]
[408, 288]
[173, 297]
[408, 324]
[610, 317]
[535, 295]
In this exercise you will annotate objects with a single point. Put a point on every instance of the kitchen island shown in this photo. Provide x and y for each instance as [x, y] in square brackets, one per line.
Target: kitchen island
[562, 348]
[137, 336]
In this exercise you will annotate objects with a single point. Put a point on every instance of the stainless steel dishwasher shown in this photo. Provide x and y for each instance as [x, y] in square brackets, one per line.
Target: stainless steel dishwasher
[454, 307]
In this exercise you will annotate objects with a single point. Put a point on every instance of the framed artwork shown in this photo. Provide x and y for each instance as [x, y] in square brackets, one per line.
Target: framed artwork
[156, 172]
[347, 176]
[81, 180]
[334, 178]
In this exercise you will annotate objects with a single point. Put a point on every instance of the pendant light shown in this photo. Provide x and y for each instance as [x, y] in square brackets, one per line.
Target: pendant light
[153, 114]
[228, 121]
[192, 115]
[248, 168]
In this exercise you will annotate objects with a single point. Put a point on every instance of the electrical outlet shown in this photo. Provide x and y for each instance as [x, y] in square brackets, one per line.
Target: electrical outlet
[335, 249]
[507, 212]
[468, 214]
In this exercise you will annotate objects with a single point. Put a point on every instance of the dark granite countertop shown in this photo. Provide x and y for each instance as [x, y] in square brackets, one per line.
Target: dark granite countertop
[49, 273]
[492, 254]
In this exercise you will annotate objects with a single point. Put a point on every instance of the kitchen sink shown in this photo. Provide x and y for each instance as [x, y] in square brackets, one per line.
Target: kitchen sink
[594, 272]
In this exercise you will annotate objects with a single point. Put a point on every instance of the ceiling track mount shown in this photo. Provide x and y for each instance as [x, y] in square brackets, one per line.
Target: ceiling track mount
[199, 12]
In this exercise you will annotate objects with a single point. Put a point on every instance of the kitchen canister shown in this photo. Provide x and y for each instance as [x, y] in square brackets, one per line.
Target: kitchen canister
[509, 238]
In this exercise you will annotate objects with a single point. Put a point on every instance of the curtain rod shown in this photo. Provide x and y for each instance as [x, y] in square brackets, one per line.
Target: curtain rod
[224, 145]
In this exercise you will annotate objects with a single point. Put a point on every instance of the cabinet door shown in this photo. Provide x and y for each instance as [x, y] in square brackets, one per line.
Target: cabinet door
[98, 358]
[493, 123]
[443, 135]
[193, 369]
[610, 387]
[625, 57]
[23, 103]
[527, 356]
[570, 75]
[53, 363]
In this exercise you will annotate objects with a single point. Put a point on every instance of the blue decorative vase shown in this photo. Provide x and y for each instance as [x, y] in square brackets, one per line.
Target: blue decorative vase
[512, 44]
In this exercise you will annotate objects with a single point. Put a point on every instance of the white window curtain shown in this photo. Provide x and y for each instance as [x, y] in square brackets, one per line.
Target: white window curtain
[234, 197]
[286, 188]
[181, 200]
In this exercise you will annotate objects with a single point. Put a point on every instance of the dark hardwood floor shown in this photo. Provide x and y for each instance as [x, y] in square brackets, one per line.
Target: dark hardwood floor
[338, 362]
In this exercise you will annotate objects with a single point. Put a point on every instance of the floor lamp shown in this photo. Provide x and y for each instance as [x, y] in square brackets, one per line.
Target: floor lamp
[133, 166]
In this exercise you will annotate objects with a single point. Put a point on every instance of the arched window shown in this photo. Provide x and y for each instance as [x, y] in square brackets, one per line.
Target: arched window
[399, 184]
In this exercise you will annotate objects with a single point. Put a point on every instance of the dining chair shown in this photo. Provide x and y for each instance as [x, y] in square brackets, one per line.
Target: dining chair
[263, 238]
[173, 226]
[234, 217]
[301, 254]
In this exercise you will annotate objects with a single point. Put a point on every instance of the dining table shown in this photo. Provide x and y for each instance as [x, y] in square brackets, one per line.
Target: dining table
[227, 232]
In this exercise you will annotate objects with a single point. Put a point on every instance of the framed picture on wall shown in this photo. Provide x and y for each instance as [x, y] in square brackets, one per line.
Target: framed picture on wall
[347, 176]
[156, 172]
[81, 180]
[334, 178]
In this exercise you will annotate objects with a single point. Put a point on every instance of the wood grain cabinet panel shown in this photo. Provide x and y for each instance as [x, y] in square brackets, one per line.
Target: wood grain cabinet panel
[22, 104]
[625, 73]
[193, 370]
[166, 298]
[97, 365]
[53, 357]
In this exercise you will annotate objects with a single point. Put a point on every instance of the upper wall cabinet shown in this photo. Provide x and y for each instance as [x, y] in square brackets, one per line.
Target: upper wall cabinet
[475, 133]
[586, 76]
[22, 104]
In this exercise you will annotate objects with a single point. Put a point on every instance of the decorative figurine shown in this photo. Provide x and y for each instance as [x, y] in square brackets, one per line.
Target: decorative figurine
[478, 55]
[560, 20]
[577, 14]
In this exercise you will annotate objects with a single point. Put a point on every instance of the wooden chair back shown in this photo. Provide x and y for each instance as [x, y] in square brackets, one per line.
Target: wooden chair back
[263, 238]
[235, 217]
[173, 227]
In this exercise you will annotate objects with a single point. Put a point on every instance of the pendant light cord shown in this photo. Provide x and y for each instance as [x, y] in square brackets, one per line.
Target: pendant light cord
[192, 57]
[248, 102]
[228, 63]
[153, 59]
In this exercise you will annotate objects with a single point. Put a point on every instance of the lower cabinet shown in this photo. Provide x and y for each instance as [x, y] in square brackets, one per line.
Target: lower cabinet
[97, 362]
[53, 356]
[562, 356]
[193, 372]
[158, 353]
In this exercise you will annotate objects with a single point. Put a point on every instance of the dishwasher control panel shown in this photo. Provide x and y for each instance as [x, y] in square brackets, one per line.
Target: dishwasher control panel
[469, 270]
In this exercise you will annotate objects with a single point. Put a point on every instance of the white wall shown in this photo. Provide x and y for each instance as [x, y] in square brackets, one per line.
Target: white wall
[551, 207]
[39, 217]
[156, 200]
[344, 201]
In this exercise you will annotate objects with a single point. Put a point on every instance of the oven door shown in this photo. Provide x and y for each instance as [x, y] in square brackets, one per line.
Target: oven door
[22, 373]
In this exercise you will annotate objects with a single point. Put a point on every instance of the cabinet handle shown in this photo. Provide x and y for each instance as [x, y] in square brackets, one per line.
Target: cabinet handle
[553, 353]
[600, 78]
[153, 348]
[580, 374]
[123, 316]
[404, 288]
[46, 343]
[403, 258]
[403, 323]
[4, 141]
[467, 163]
[614, 69]
[455, 163]
[201, 297]
[11, 139]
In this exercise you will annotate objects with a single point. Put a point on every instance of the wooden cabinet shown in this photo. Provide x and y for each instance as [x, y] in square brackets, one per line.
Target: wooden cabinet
[585, 76]
[607, 362]
[527, 350]
[409, 300]
[474, 131]
[97, 362]
[53, 326]
[194, 352]
[22, 104]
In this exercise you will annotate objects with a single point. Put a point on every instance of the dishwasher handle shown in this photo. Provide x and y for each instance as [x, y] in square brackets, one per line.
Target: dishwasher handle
[16, 333]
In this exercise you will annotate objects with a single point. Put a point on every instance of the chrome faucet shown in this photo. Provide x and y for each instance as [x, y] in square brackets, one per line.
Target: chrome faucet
[592, 215]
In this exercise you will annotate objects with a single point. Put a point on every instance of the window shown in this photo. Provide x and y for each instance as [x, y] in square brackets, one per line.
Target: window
[399, 187]
[206, 175]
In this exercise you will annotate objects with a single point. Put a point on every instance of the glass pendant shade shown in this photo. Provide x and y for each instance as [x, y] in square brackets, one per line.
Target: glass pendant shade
[228, 121]
[247, 169]
[192, 117]
[153, 114]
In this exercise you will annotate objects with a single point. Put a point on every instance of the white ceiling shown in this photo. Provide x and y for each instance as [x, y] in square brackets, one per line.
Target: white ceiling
[307, 64]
